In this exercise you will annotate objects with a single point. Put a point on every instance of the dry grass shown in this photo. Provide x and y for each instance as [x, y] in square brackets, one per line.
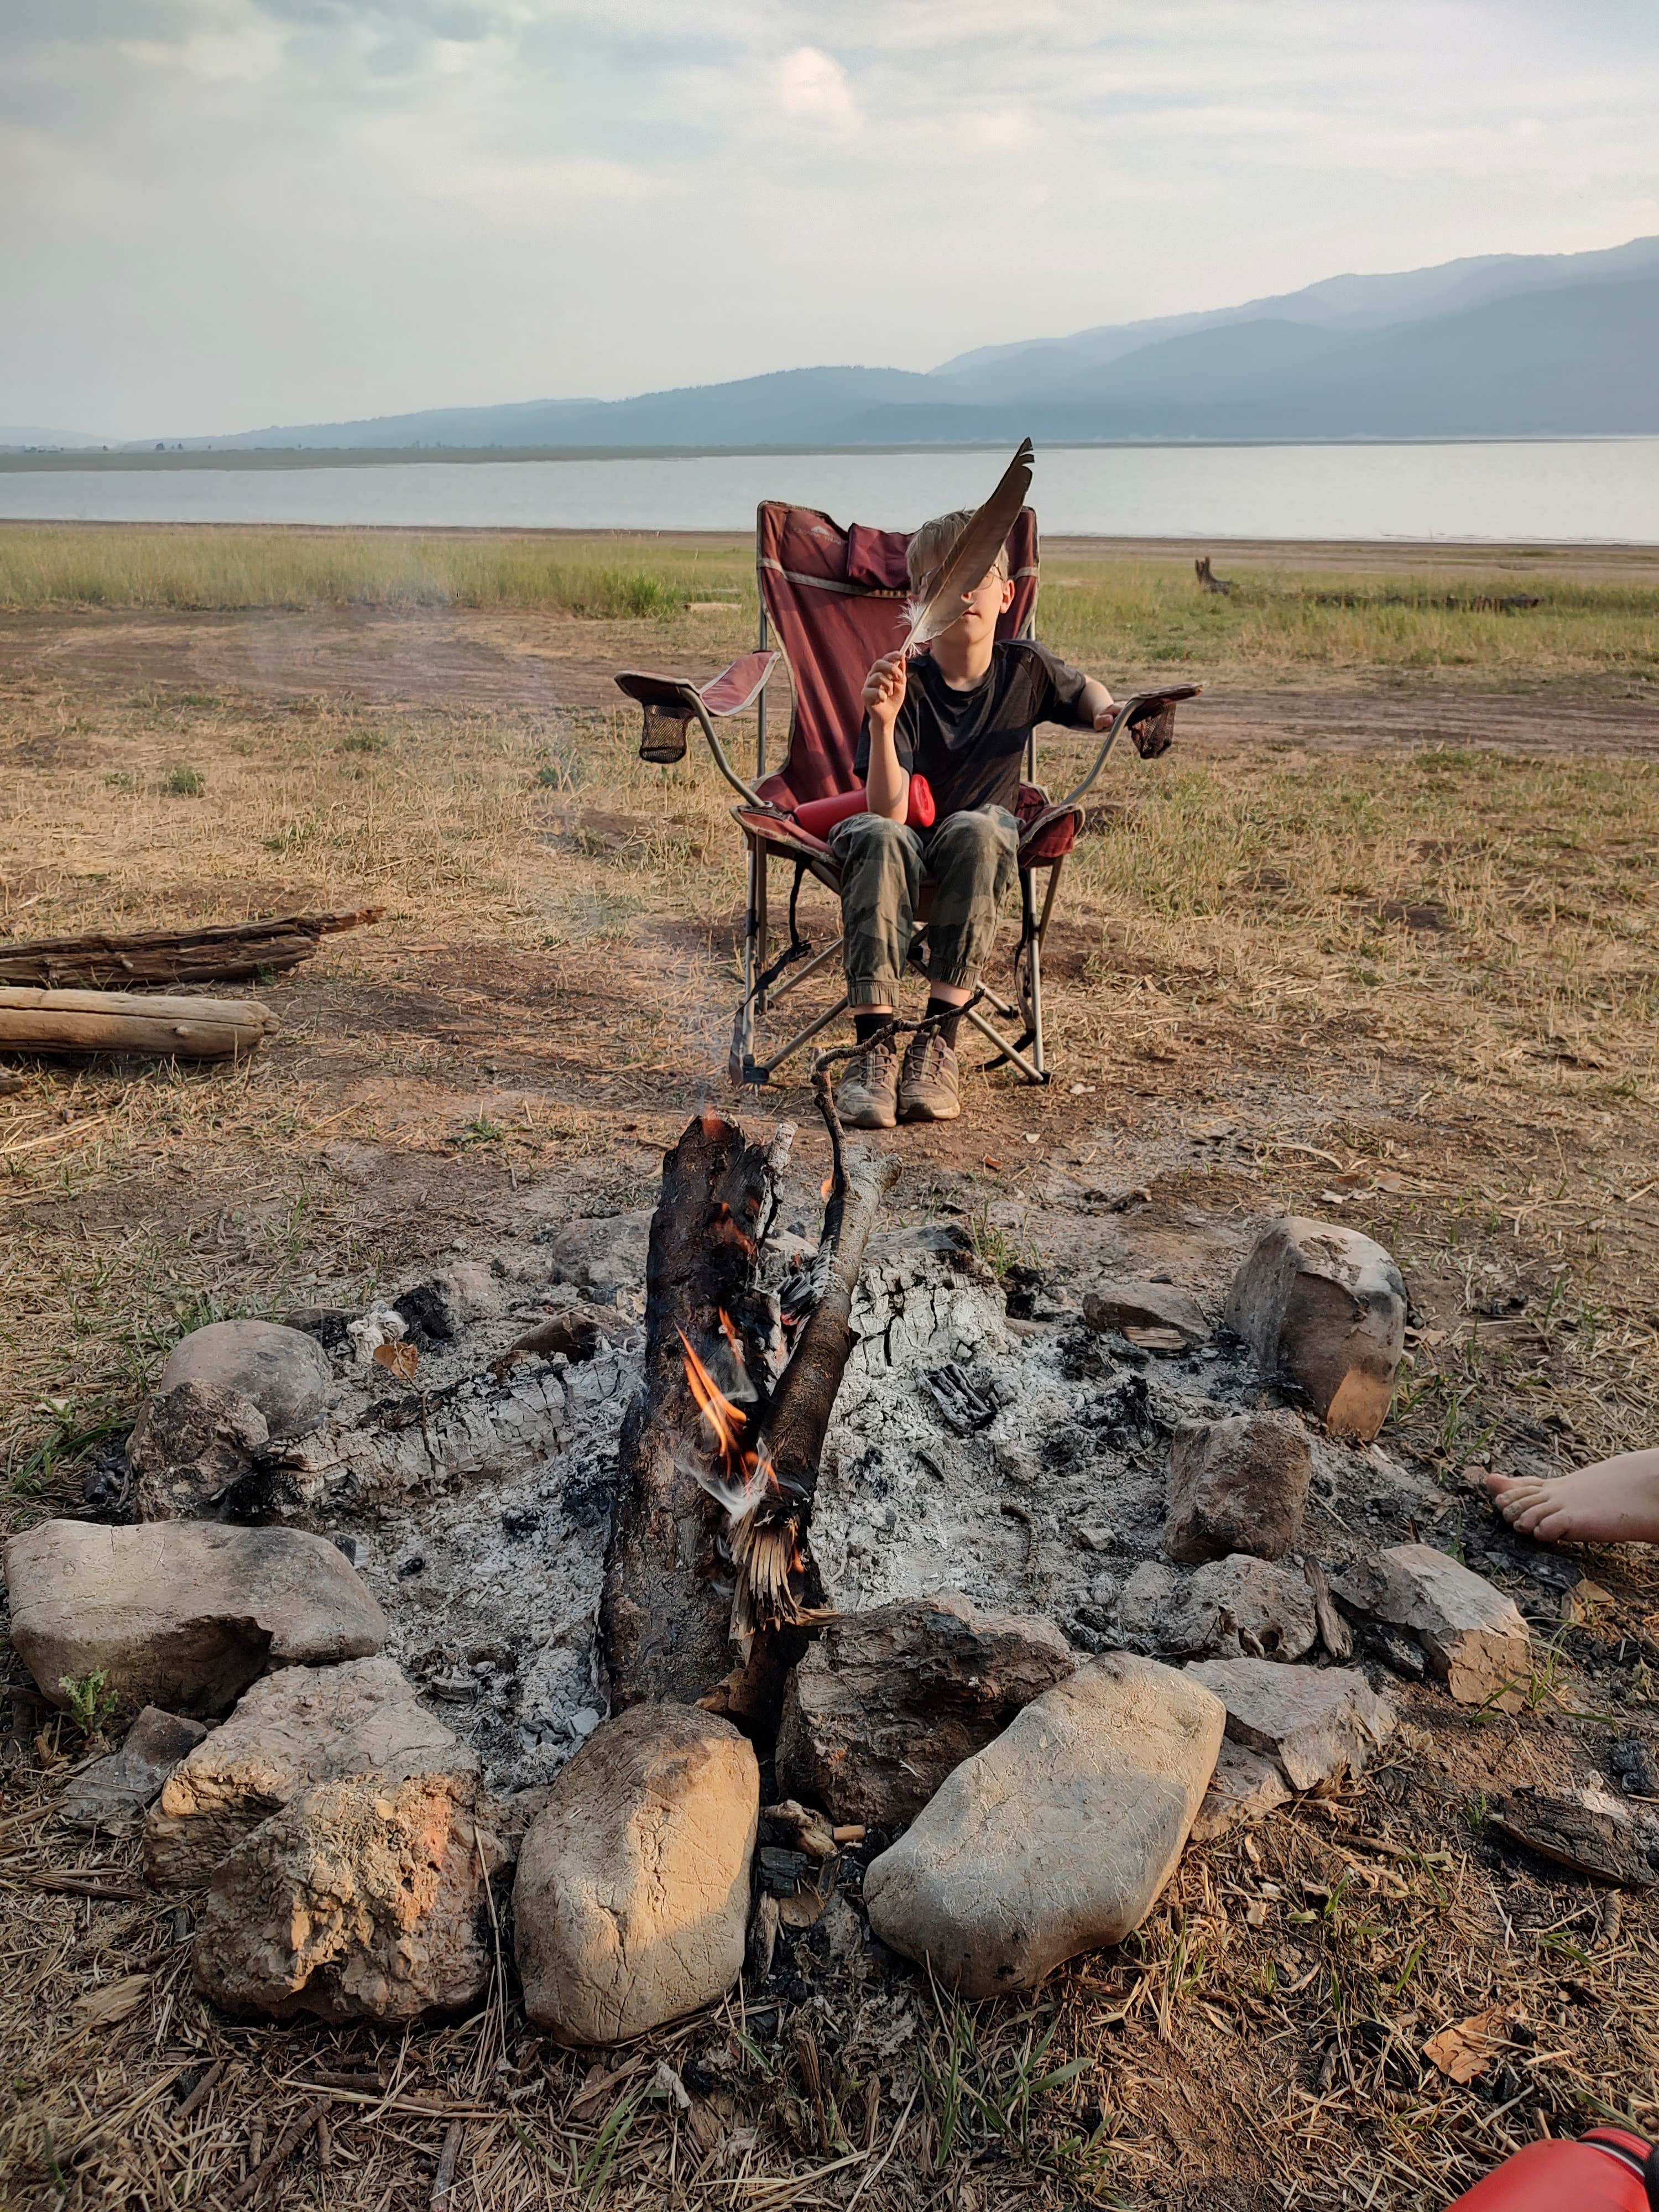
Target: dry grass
[1303, 1966]
[1488, 919]
[67, 565]
[1281, 943]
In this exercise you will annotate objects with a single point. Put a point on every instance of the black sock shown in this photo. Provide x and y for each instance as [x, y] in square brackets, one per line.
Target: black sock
[950, 1018]
[868, 1026]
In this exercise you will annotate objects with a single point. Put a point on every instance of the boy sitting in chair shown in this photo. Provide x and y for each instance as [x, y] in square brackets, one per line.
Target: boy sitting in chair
[959, 715]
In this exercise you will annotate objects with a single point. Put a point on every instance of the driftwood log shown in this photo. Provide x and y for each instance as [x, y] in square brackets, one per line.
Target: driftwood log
[710, 1585]
[219, 952]
[115, 1021]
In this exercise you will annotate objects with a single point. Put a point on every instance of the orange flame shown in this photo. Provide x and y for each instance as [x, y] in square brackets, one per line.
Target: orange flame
[726, 1420]
[735, 1341]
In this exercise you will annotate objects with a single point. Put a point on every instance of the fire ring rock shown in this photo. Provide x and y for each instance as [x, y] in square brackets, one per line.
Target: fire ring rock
[1474, 1640]
[1317, 1724]
[115, 1790]
[631, 1902]
[1324, 1308]
[1058, 1837]
[1237, 1485]
[226, 1390]
[363, 1898]
[182, 1614]
[886, 1704]
[295, 1730]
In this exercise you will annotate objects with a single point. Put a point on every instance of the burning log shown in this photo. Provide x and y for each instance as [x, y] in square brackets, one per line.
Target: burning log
[709, 1581]
[768, 1541]
[663, 1617]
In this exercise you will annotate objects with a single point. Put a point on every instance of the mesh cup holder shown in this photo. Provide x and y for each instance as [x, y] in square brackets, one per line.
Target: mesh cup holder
[663, 740]
[1153, 730]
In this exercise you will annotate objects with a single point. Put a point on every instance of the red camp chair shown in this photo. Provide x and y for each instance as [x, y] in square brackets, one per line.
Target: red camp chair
[833, 598]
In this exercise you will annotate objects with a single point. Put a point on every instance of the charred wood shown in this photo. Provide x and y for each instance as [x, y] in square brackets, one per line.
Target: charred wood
[666, 1612]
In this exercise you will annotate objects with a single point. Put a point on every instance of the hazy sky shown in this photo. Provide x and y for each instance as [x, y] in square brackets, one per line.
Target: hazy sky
[221, 214]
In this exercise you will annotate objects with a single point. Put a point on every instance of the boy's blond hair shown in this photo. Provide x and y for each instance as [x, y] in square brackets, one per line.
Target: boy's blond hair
[932, 543]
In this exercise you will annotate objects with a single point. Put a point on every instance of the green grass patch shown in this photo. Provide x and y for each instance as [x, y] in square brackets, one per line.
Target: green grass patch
[1107, 612]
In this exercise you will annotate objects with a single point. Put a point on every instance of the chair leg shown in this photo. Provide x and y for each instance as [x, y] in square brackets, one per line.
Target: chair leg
[1013, 1054]
[740, 1059]
[762, 930]
[764, 1071]
[1035, 983]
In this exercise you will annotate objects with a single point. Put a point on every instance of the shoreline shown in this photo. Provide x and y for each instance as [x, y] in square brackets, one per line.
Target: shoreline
[1615, 556]
[25, 461]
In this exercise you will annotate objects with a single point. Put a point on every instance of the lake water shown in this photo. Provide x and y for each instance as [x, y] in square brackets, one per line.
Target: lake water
[1582, 490]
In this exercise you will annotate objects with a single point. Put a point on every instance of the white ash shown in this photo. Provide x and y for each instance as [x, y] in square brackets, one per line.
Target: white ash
[479, 1509]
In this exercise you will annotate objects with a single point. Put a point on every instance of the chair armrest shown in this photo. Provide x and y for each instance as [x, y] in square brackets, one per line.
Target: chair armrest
[673, 699]
[740, 685]
[1139, 707]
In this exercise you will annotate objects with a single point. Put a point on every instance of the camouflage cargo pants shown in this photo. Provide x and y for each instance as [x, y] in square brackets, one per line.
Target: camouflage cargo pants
[973, 860]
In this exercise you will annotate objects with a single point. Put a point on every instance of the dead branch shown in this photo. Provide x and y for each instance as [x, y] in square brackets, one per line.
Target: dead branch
[218, 952]
[666, 1603]
[771, 1541]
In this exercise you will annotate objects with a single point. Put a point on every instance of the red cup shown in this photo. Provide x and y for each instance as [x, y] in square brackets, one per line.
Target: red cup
[820, 816]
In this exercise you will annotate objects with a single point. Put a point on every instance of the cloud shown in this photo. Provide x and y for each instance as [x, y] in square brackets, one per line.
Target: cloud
[812, 87]
[228, 212]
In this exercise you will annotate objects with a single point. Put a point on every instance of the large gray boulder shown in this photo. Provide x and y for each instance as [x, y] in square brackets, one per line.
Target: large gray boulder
[182, 1614]
[112, 1791]
[1237, 1485]
[1324, 1308]
[631, 1901]
[1317, 1724]
[887, 1703]
[225, 1393]
[1474, 1637]
[1058, 1837]
[363, 1899]
[302, 1726]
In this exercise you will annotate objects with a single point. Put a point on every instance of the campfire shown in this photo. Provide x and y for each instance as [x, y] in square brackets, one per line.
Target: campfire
[744, 1359]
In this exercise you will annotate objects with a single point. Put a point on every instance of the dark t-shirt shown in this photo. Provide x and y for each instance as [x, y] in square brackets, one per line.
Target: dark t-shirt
[970, 744]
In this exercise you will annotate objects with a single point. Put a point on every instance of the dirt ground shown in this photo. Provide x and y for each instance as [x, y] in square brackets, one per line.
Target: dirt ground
[475, 659]
[542, 1019]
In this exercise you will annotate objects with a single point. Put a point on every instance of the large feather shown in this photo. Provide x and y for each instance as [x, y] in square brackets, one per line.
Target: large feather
[976, 546]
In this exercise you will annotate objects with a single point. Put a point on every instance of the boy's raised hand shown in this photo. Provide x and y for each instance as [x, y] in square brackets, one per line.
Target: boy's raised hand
[884, 689]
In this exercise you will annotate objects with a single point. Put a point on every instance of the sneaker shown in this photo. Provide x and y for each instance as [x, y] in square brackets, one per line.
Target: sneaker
[866, 1097]
[927, 1089]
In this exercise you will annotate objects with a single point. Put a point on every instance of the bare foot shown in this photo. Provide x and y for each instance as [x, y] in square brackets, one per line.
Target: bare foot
[1616, 1501]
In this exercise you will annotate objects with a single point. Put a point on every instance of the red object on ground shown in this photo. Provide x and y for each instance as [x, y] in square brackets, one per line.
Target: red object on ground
[820, 816]
[1603, 2173]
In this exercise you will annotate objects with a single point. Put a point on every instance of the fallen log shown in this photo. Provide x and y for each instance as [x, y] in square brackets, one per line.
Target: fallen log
[114, 1021]
[1582, 1830]
[218, 952]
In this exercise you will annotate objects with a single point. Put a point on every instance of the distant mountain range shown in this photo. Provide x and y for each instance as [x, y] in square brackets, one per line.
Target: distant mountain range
[1499, 345]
